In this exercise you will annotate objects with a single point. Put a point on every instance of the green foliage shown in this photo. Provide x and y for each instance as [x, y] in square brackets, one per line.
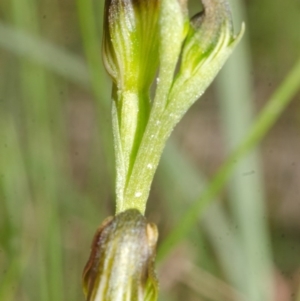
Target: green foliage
[56, 170]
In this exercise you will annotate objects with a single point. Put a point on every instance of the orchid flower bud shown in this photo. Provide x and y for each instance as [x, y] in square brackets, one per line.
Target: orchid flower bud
[130, 43]
[130, 55]
[121, 264]
[209, 42]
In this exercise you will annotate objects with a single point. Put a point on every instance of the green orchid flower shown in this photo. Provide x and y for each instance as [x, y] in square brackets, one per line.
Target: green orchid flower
[152, 43]
[149, 45]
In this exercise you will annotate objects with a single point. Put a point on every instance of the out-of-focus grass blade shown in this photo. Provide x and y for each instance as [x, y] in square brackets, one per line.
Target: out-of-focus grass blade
[298, 294]
[208, 286]
[41, 161]
[189, 183]
[13, 188]
[92, 47]
[50, 56]
[91, 39]
[246, 189]
[274, 107]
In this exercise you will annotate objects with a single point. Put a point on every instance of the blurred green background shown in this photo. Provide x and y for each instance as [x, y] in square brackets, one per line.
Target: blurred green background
[57, 161]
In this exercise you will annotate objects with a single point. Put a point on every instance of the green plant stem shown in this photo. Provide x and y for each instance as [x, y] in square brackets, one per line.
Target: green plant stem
[157, 132]
[137, 190]
[128, 121]
[275, 106]
[130, 115]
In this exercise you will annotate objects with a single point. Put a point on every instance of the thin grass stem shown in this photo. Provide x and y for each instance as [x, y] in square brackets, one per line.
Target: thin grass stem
[266, 119]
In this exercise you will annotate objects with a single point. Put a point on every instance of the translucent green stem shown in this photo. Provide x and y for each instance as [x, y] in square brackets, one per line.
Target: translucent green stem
[130, 116]
[157, 132]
